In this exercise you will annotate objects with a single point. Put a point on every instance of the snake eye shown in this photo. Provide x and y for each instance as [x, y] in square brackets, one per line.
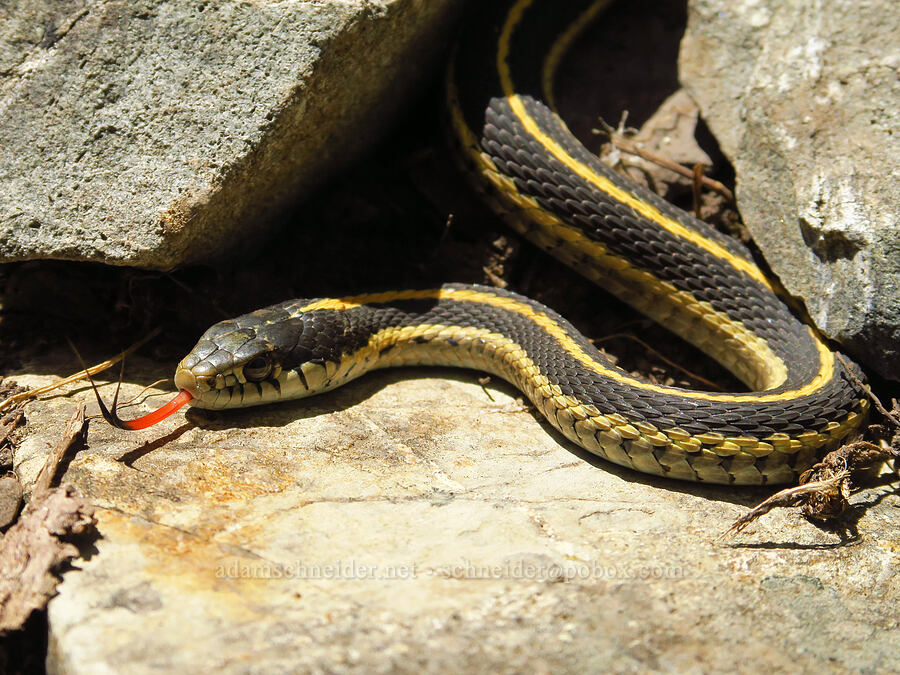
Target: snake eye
[257, 368]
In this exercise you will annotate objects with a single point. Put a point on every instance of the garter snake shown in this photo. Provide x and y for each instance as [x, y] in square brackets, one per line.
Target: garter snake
[701, 284]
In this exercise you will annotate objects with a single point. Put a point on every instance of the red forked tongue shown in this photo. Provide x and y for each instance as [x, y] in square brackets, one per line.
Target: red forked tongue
[147, 420]
[112, 416]
[158, 415]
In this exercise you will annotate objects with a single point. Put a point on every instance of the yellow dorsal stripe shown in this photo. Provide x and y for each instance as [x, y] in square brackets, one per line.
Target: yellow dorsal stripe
[529, 209]
[567, 343]
[588, 174]
[561, 46]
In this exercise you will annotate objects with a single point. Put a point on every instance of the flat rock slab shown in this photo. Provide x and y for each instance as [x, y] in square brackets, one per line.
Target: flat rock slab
[416, 521]
[804, 99]
[158, 133]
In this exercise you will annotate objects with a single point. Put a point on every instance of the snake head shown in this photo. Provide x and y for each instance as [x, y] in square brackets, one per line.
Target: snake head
[272, 354]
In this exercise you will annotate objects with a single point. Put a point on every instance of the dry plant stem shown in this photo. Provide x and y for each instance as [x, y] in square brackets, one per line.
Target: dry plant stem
[828, 495]
[623, 144]
[825, 504]
[785, 498]
[93, 370]
[634, 149]
[867, 390]
[144, 391]
[697, 188]
[824, 491]
[629, 336]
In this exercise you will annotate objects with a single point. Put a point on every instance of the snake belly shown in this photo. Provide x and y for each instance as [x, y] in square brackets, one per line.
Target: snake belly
[699, 283]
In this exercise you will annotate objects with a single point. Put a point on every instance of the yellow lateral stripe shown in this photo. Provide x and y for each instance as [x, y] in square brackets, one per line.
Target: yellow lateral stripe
[530, 375]
[561, 46]
[567, 343]
[458, 121]
[587, 173]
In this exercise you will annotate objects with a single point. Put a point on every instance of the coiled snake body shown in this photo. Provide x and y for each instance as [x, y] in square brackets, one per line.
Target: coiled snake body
[699, 283]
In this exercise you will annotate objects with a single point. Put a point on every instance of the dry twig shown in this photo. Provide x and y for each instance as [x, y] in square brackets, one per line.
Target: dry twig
[617, 138]
[81, 375]
[628, 336]
[824, 490]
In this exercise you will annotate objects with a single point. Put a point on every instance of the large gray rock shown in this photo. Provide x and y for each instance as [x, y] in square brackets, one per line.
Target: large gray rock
[159, 133]
[414, 521]
[804, 98]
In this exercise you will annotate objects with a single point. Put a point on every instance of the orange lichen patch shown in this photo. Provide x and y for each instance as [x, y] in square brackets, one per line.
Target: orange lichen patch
[217, 480]
[185, 567]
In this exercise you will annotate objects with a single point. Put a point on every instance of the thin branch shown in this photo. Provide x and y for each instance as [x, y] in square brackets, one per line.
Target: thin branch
[134, 398]
[633, 148]
[628, 336]
[789, 497]
[867, 390]
[697, 187]
[83, 374]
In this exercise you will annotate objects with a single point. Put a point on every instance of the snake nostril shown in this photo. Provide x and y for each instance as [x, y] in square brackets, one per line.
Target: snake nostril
[184, 379]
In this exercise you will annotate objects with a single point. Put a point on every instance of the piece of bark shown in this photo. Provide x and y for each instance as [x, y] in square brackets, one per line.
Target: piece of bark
[10, 500]
[35, 548]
